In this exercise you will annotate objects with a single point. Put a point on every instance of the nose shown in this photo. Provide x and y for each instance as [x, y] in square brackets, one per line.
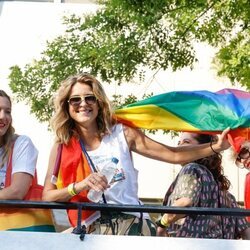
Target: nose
[83, 102]
[3, 114]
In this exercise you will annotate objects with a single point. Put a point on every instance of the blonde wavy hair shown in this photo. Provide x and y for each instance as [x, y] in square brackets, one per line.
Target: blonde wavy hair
[61, 122]
[8, 137]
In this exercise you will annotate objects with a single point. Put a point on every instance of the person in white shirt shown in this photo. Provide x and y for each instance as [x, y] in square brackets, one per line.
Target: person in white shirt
[24, 155]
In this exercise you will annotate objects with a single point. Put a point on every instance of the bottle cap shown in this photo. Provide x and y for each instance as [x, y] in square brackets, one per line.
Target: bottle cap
[115, 160]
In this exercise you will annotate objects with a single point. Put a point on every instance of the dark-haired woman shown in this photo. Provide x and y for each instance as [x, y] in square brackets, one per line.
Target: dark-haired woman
[201, 184]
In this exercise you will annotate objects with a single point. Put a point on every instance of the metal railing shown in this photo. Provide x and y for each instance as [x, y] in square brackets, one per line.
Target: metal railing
[122, 208]
[125, 208]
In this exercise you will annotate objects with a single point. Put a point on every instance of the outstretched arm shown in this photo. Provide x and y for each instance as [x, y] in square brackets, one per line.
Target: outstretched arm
[142, 144]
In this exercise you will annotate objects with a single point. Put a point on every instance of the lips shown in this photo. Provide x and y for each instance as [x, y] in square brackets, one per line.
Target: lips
[84, 111]
[2, 125]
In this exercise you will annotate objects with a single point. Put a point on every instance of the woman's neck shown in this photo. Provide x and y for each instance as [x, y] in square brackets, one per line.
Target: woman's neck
[90, 137]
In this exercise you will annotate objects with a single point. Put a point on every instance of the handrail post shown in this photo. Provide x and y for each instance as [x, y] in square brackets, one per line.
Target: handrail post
[79, 229]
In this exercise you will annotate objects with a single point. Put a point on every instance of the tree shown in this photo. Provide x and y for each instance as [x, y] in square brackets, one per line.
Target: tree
[124, 37]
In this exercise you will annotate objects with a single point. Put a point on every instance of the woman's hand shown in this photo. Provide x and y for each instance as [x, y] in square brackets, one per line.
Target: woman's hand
[161, 232]
[222, 143]
[95, 181]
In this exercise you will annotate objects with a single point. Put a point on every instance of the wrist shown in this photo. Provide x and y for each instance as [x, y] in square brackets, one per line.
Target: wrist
[71, 189]
[214, 148]
[163, 222]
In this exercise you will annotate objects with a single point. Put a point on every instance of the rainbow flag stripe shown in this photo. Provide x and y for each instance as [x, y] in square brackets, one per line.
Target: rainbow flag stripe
[194, 111]
[35, 220]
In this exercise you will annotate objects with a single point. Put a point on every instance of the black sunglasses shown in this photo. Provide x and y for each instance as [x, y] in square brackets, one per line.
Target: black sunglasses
[243, 154]
[77, 100]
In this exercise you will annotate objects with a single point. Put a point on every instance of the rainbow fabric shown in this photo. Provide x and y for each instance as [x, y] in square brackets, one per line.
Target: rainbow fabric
[34, 220]
[74, 167]
[26, 219]
[194, 111]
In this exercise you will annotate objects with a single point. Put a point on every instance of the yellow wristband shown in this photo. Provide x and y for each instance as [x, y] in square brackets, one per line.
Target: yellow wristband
[164, 222]
[71, 189]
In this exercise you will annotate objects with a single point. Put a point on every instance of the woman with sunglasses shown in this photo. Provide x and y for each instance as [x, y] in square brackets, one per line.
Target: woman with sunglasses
[85, 127]
[201, 183]
[23, 153]
[243, 157]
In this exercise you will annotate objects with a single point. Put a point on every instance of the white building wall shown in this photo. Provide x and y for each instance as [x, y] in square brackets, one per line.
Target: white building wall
[26, 26]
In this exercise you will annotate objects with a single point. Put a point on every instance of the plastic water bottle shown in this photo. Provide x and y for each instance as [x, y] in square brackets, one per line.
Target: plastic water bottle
[108, 170]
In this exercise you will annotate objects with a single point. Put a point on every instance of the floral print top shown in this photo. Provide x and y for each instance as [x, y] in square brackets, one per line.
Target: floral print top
[196, 182]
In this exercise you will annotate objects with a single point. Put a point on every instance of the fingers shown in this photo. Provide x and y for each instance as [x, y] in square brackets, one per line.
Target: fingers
[223, 143]
[225, 131]
[97, 182]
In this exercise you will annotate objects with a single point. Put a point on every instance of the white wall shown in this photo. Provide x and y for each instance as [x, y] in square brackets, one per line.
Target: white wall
[25, 27]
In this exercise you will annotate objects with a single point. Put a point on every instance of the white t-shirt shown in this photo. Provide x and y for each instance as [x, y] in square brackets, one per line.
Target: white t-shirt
[125, 188]
[24, 158]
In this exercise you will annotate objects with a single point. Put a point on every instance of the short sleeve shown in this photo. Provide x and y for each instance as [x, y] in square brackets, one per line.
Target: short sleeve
[188, 184]
[24, 156]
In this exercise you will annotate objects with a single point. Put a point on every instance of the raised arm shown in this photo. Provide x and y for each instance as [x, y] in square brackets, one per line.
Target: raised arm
[142, 144]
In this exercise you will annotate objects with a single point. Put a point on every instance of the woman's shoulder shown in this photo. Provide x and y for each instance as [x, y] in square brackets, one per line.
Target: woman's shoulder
[117, 128]
[194, 167]
[24, 141]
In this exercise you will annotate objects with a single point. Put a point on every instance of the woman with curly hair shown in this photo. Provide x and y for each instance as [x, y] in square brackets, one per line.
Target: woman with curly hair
[201, 183]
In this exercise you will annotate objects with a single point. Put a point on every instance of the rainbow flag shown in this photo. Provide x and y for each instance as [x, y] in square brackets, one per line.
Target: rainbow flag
[193, 111]
[34, 220]
[74, 167]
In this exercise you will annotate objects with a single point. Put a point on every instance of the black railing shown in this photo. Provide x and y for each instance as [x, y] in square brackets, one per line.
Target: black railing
[126, 208]
[81, 230]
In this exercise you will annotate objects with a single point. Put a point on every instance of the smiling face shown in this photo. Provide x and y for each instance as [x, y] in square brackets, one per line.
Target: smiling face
[83, 114]
[243, 158]
[5, 115]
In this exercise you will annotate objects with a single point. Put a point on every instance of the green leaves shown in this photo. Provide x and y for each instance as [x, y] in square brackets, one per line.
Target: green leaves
[234, 60]
[125, 37]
